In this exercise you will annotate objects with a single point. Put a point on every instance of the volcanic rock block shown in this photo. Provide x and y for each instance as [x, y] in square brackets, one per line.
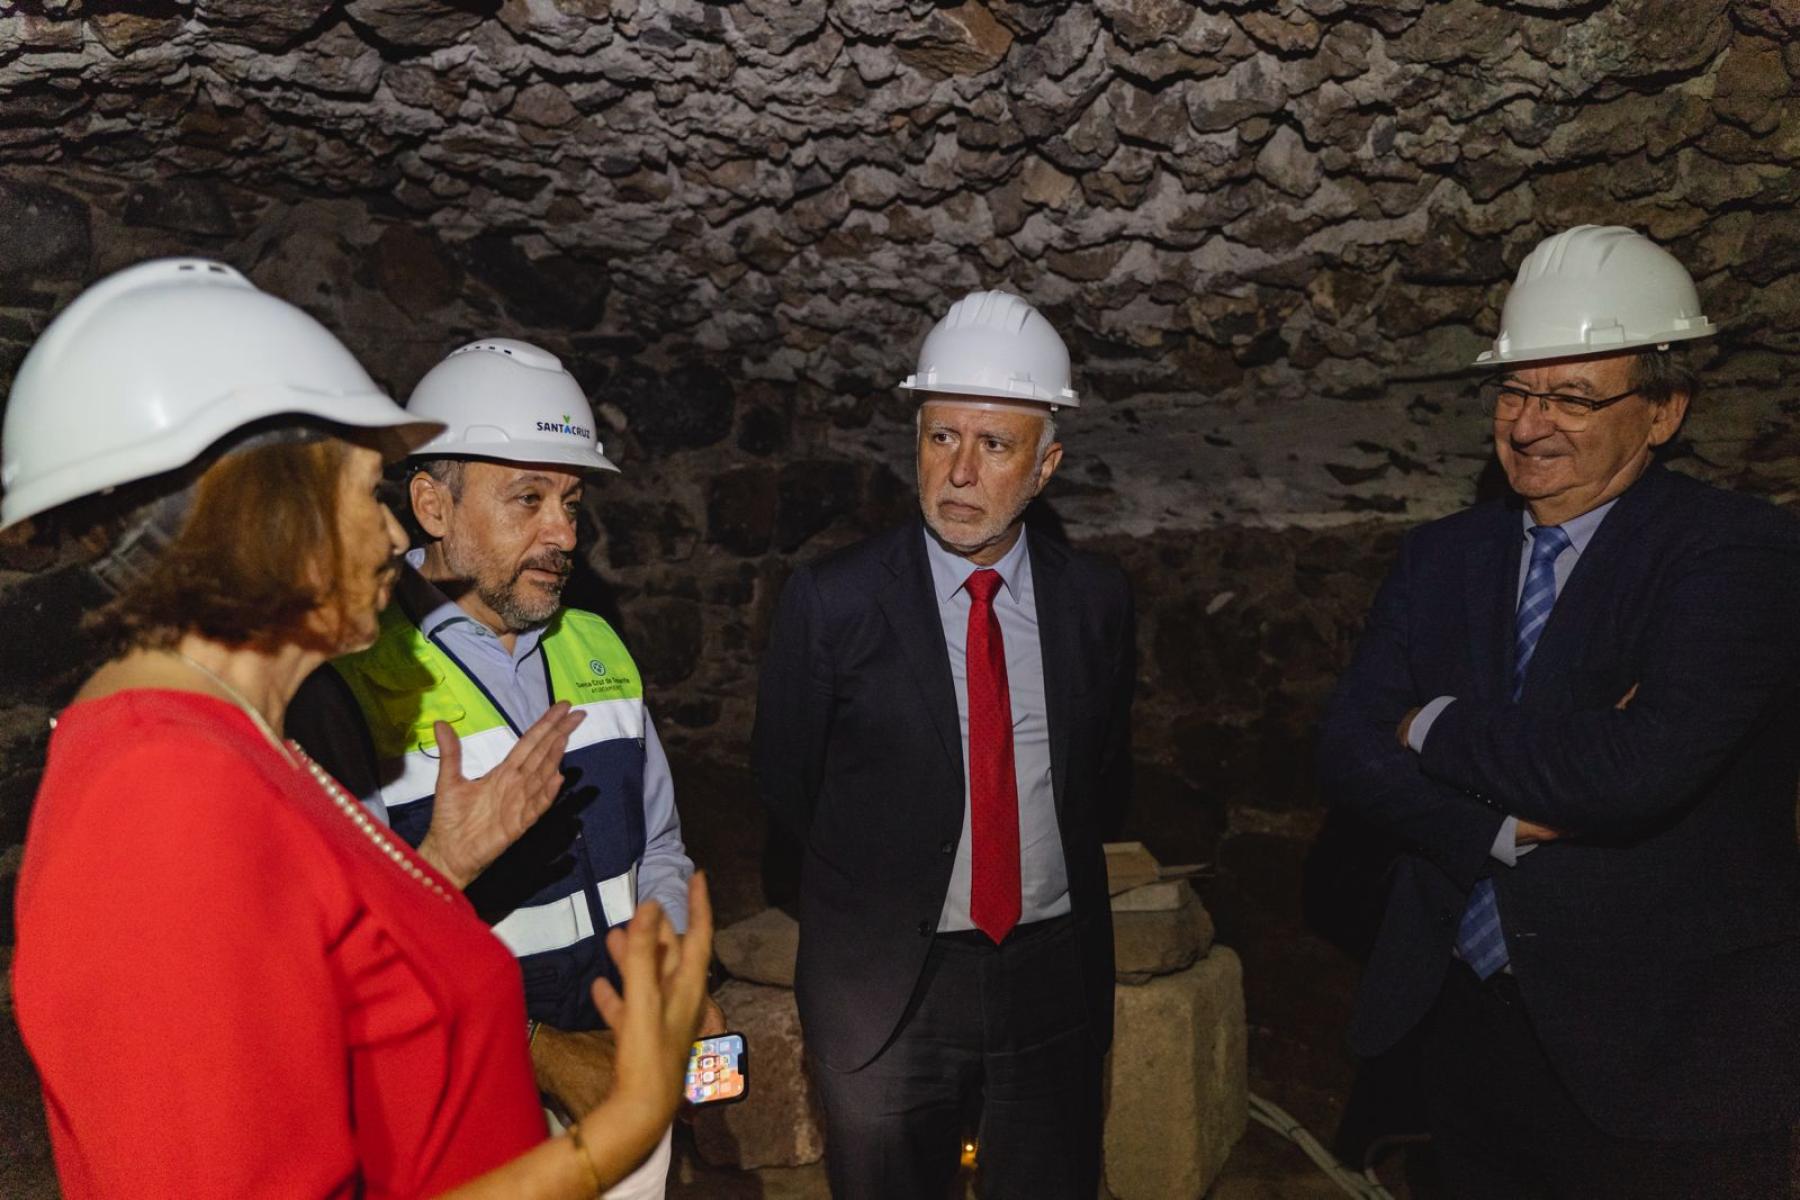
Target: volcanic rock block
[1136, 23]
[45, 237]
[1179, 1096]
[1129, 865]
[965, 40]
[666, 638]
[1285, 162]
[688, 409]
[740, 509]
[123, 32]
[813, 494]
[416, 24]
[1291, 34]
[776, 1124]
[413, 270]
[1158, 929]
[186, 205]
[264, 26]
[760, 949]
[637, 533]
[1751, 79]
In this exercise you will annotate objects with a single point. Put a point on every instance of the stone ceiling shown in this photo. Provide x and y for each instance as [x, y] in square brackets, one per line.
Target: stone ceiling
[1272, 231]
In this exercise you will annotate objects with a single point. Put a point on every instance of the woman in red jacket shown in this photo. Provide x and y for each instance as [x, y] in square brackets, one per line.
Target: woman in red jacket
[232, 980]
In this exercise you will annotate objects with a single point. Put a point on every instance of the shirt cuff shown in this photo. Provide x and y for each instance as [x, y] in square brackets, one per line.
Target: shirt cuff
[1506, 846]
[1421, 724]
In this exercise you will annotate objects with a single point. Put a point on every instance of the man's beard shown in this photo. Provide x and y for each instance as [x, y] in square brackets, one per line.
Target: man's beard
[524, 606]
[521, 606]
[970, 541]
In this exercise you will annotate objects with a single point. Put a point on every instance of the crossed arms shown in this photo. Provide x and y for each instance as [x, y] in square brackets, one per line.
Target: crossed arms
[1719, 652]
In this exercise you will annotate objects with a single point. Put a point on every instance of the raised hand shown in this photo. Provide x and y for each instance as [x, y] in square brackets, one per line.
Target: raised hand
[474, 820]
[658, 1017]
[665, 980]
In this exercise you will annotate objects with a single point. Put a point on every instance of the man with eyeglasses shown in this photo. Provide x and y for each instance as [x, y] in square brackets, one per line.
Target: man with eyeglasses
[1575, 712]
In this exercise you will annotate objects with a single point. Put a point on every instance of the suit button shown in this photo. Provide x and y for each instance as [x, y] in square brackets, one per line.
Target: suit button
[947, 848]
[925, 928]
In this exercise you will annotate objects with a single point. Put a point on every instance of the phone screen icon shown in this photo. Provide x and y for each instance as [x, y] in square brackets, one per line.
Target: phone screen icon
[717, 1070]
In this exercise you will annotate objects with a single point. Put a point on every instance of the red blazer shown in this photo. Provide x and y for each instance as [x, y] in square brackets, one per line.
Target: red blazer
[230, 991]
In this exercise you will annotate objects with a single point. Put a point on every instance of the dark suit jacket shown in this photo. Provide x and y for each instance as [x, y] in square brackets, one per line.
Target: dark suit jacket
[1658, 949]
[858, 753]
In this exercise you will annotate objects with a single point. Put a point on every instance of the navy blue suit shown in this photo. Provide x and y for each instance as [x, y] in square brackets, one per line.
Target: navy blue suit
[858, 754]
[1655, 950]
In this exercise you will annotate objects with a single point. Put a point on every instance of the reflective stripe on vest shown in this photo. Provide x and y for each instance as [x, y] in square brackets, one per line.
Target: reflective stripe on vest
[541, 927]
[405, 682]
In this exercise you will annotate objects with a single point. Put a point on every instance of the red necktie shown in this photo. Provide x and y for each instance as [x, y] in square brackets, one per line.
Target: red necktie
[993, 788]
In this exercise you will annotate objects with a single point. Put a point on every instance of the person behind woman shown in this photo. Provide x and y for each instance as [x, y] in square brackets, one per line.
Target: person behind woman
[232, 981]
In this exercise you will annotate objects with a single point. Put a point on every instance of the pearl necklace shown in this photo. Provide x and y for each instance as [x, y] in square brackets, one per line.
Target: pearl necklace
[359, 817]
[298, 758]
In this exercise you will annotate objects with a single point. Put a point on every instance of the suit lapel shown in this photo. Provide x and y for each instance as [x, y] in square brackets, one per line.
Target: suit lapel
[910, 605]
[1491, 582]
[1578, 606]
[1057, 643]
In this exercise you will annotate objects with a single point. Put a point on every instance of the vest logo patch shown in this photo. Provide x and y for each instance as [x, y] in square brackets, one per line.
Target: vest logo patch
[613, 685]
[596, 666]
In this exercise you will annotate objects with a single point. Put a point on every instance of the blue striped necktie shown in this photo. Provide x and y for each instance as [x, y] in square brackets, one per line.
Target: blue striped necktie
[1479, 939]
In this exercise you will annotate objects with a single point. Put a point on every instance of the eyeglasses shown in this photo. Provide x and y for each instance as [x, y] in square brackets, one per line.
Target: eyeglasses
[1569, 413]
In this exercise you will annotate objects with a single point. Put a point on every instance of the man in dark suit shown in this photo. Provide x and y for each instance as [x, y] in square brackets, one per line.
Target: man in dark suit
[1575, 710]
[944, 723]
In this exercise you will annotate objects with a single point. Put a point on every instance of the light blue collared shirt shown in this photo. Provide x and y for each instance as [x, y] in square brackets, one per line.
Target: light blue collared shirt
[1043, 876]
[1581, 531]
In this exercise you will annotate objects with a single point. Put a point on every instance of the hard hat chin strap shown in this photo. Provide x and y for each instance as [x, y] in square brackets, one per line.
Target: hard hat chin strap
[153, 523]
[135, 552]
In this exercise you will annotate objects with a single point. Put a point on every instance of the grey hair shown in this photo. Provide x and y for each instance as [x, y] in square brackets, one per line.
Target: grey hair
[447, 471]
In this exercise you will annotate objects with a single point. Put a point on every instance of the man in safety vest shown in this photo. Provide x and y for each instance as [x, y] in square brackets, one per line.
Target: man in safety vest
[477, 639]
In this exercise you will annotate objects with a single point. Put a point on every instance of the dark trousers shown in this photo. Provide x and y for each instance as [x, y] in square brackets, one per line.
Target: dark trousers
[999, 1030]
[1504, 1128]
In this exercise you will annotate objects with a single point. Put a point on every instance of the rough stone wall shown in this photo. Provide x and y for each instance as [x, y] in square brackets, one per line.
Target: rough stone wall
[1272, 233]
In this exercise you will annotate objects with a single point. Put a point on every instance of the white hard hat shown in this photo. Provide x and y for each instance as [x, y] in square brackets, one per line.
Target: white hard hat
[994, 345]
[152, 365]
[507, 399]
[1594, 289]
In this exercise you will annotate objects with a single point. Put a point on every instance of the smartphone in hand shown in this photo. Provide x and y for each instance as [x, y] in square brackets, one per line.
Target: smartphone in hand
[718, 1070]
